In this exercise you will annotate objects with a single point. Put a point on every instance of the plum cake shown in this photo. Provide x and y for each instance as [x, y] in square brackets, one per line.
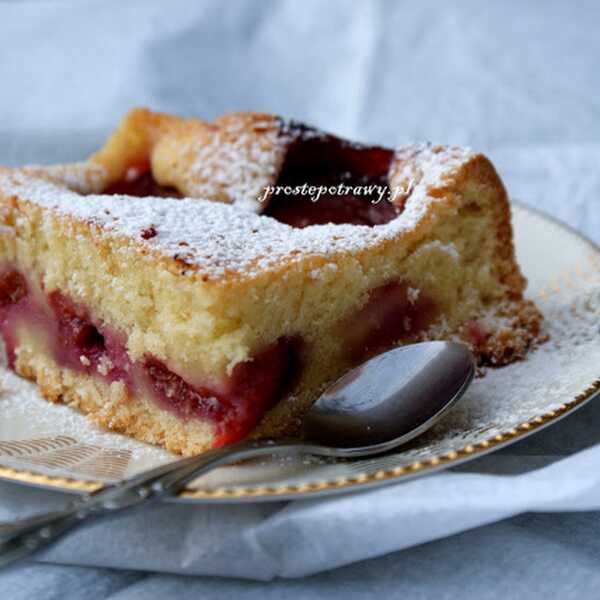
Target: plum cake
[185, 286]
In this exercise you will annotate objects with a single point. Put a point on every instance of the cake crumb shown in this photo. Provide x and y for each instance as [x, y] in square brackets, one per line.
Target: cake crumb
[105, 366]
[412, 294]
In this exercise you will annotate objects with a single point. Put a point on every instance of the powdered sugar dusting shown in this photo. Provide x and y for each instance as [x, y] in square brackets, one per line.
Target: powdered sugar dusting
[222, 239]
[236, 162]
[83, 177]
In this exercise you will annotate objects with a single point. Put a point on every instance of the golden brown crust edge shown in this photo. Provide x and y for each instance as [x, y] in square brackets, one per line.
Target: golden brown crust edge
[230, 160]
[522, 317]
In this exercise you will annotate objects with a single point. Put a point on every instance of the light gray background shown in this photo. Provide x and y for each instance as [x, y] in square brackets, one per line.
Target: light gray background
[518, 80]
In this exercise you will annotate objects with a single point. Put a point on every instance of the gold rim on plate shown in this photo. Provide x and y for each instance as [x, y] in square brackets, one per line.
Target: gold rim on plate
[453, 457]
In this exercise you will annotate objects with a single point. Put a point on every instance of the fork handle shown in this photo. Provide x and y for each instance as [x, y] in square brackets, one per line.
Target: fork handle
[25, 537]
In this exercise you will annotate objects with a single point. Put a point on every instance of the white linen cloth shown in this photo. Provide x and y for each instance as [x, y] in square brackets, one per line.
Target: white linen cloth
[517, 80]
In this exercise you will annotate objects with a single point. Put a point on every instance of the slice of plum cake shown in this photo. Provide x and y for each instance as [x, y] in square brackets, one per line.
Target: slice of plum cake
[182, 288]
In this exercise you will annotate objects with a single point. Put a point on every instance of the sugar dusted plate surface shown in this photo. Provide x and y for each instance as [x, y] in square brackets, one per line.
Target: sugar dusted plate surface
[53, 446]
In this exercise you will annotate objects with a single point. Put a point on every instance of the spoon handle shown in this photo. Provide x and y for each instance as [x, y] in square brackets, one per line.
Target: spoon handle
[27, 536]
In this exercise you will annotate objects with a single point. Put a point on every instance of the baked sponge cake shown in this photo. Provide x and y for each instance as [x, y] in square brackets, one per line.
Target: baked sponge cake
[194, 321]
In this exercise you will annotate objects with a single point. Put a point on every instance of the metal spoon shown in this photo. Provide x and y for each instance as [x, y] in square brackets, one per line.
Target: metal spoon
[380, 405]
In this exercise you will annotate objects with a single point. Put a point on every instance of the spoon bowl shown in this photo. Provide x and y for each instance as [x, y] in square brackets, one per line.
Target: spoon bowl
[390, 399]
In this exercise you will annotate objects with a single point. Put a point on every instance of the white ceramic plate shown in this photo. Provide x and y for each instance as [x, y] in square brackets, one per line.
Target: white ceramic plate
[52, 446]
